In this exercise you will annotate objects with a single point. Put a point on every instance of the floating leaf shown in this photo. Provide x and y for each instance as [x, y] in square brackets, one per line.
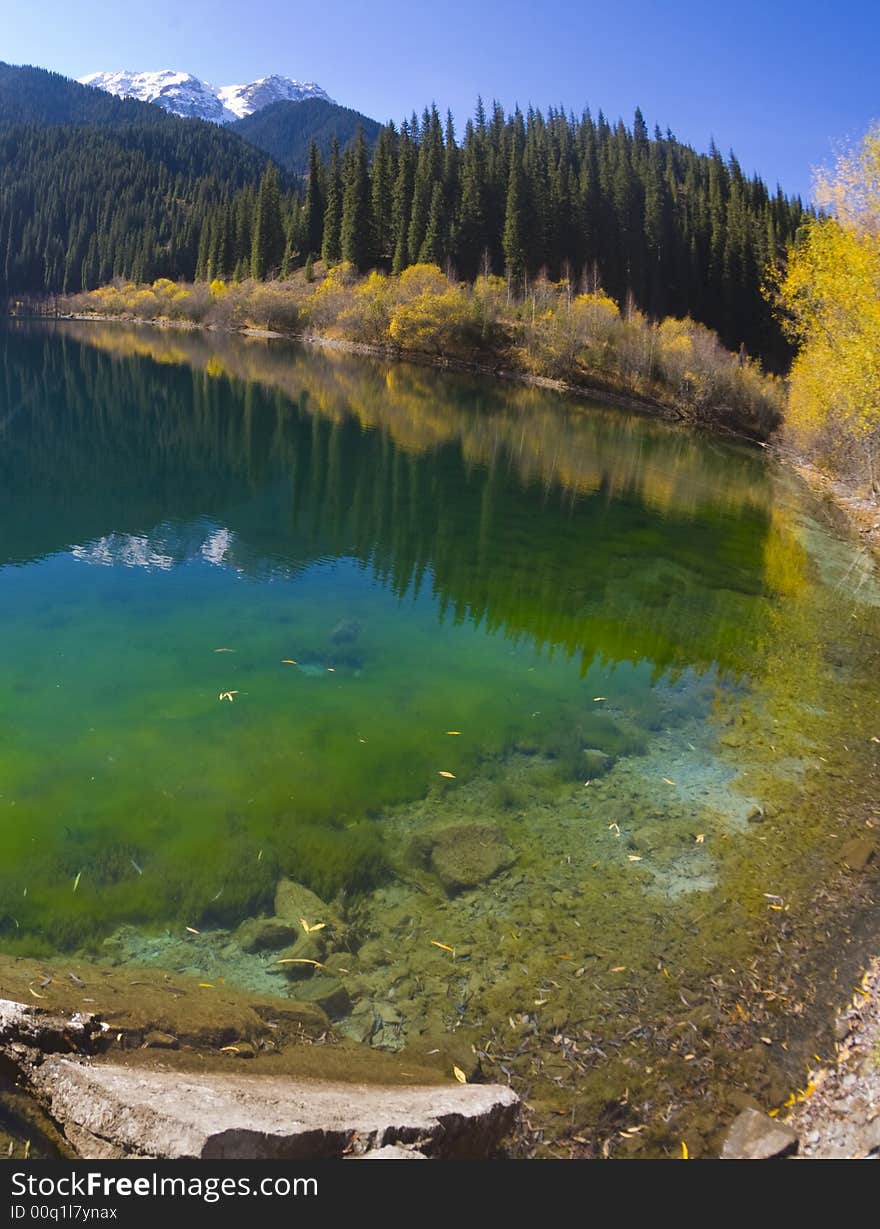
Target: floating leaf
[192, 930]
[288, 661]
[206, 985]
[685, 1155]
[633, 857]
[301, 960]
[443, 946]
[459, 1074]
[700, 838]
[443, 773]
[453, 732]
[668, 782]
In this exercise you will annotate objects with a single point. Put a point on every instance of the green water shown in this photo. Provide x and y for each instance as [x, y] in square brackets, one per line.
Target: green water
[643, 638]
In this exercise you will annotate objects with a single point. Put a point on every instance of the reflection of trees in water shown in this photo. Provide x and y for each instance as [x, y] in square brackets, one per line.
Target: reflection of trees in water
[599, 532]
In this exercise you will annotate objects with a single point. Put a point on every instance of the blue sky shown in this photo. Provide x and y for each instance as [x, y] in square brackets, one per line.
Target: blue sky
[782, 82]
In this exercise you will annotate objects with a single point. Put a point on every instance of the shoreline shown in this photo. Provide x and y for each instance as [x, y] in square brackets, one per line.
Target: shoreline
[596, 392]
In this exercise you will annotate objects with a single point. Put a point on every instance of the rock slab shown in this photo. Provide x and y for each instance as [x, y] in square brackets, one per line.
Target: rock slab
[754, 1136]
[169, 1115]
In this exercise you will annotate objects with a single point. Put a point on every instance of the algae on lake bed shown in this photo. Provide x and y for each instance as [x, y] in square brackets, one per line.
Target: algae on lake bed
[657, 670]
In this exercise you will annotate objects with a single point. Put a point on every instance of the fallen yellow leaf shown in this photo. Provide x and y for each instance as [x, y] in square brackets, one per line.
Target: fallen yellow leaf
[443, 773]
[459, 1074]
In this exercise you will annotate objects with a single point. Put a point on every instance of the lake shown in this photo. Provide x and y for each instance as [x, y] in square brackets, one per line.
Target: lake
[565, 713]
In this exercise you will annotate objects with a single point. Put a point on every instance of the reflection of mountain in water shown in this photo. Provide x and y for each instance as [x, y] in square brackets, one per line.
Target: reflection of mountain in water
[597, 531]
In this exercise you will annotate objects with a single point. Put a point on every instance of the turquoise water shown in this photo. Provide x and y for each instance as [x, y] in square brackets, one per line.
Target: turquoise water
[171, 536]
[452, 615]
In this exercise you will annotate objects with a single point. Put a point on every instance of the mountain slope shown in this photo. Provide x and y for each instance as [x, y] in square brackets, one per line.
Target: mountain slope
[184, 95]
[34, 96]
[94, 187]
[181, 94]
[285, 130]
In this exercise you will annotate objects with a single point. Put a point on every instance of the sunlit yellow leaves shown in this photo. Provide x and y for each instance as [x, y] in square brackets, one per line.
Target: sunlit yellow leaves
[830, 296]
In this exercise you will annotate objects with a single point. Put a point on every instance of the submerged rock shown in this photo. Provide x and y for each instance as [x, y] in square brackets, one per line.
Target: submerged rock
[328, 993]
[293, 902]
[260, 934]
[304, 957]
[754, 1136]
[346, 631]
[596, 763]
[466, 855]
[857, 852]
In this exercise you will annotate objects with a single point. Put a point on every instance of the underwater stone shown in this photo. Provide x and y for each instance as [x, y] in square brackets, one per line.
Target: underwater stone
[650, 837]
[261, 934]
[754, 1136]
[346, 631]
[308, 951]
[857, 852]
[294, 901]
[596, 763]
[295, 1017]
[329, 994]
[466, 855]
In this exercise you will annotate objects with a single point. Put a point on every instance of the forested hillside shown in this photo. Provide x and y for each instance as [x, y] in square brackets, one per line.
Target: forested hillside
[646, 218]
[94, 188]
[286, 130]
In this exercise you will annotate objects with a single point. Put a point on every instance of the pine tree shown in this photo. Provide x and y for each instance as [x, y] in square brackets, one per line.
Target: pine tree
[313, 205]
[382, 193]
[356, 229]
[267, 242]
[514, 219]
[402, 199]
[331, 250]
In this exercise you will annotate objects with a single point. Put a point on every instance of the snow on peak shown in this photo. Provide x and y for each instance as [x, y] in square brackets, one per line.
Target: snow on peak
[183, 94]
[245, 99]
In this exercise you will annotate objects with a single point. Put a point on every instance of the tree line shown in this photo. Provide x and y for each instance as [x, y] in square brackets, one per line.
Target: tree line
[652, 222]
[645, 217]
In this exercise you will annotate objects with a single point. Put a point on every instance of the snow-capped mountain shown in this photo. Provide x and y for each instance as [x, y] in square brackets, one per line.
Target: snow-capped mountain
[244, 100]
[183, 94]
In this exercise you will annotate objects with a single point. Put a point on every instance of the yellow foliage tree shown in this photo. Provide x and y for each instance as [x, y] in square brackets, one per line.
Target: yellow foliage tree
[830, 295]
